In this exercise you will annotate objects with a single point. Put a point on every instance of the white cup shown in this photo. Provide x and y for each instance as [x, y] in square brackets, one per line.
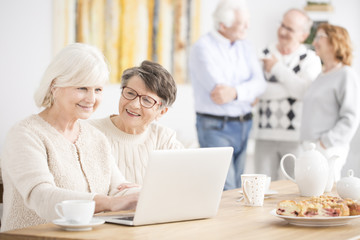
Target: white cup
[76, 211]
[253, 186]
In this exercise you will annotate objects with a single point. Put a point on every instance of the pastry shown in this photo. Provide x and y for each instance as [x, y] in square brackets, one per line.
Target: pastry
[354, 207]
[323, 206]
[288, 208]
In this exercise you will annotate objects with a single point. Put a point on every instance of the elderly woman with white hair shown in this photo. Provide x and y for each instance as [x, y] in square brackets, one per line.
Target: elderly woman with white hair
[55, 156]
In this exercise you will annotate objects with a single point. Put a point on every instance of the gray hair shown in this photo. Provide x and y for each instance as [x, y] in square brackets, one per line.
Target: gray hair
[308, 21]
[225, 12]
[76, 65]
[156, 78]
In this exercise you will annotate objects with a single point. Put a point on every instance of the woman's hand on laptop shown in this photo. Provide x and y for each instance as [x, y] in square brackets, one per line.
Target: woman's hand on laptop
[117, 203]
[127, 185]
[127, 202]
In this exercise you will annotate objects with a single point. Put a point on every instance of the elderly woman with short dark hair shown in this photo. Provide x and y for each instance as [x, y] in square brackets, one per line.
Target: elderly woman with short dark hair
[147, 92]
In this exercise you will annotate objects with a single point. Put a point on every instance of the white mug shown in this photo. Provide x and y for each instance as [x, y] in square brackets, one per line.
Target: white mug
[253, 186]
[76, 211]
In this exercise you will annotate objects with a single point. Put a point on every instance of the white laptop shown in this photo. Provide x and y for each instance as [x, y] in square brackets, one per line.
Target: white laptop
[180, 185]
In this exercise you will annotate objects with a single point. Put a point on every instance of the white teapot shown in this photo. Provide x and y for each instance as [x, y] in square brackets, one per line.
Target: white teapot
[311, 171]
[349, 187]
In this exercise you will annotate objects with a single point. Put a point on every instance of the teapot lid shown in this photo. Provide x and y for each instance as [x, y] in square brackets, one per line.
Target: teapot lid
[310, 152]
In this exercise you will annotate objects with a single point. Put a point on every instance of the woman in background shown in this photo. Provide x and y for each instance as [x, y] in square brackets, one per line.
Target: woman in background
[147, 93]
[54, 156]
[331, 109]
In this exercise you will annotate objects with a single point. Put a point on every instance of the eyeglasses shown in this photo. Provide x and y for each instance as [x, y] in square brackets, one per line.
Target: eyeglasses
[145, 101]
[289, 29]
[318, 36]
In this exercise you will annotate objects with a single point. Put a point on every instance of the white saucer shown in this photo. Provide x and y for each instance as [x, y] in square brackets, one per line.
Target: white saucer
[78, 227]
[316, 221]
[268, 192]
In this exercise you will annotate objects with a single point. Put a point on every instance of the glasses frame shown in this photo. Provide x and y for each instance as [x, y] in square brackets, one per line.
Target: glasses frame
[319, 36]
[287, 28]
[140, 98]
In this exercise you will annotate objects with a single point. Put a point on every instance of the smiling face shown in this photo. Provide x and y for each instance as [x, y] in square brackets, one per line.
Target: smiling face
[133, 117]
[291, 32]
[77, 102]
[322, 46]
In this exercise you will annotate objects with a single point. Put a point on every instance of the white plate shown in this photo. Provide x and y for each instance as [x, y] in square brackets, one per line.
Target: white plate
[268, 193]
[78, 227]
[316, 221]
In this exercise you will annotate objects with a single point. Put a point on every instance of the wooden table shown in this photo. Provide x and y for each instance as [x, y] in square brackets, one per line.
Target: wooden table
[233, 221]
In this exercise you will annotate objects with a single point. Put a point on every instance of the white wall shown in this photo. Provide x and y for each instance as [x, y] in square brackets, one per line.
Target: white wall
[26, 49]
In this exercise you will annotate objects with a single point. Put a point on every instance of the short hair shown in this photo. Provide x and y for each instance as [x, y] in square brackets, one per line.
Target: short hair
[76, 65]
[308, 21]
[156, 78]
[340, 40]
[225, 12]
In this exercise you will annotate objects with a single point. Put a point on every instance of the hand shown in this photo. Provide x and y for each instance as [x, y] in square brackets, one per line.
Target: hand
[127, 202]
[127, 185]
[269, 63]
[255, 102]
[222, 94]
[118, 203]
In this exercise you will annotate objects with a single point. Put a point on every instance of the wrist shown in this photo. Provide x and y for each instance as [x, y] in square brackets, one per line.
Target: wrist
[102, 203]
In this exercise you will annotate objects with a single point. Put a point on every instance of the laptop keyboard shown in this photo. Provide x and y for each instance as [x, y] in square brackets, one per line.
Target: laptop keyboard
[129, 218]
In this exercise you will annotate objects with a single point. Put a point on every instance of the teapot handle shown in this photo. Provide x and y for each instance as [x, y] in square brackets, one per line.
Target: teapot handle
[282, 165]
[245, 191]
[350, 173]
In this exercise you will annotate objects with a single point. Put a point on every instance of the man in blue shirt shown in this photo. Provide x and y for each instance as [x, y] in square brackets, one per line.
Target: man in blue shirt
[227, 78]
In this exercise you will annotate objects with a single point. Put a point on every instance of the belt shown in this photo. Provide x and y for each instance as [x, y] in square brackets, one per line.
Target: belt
[243, 118]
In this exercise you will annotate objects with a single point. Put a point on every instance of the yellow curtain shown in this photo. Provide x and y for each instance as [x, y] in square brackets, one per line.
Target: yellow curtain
[130, 31]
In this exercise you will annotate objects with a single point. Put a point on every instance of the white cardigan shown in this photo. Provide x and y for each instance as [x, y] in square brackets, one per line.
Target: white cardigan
[40, 168]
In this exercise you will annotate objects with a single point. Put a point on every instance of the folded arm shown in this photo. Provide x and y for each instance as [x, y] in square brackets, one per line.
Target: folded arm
[297, 83]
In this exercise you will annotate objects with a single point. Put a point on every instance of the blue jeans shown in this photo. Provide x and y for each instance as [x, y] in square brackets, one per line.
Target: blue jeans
[219, 133]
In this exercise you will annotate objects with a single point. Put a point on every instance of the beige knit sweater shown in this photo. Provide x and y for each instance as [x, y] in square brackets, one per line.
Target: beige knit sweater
[40, 168]
[131, 151]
